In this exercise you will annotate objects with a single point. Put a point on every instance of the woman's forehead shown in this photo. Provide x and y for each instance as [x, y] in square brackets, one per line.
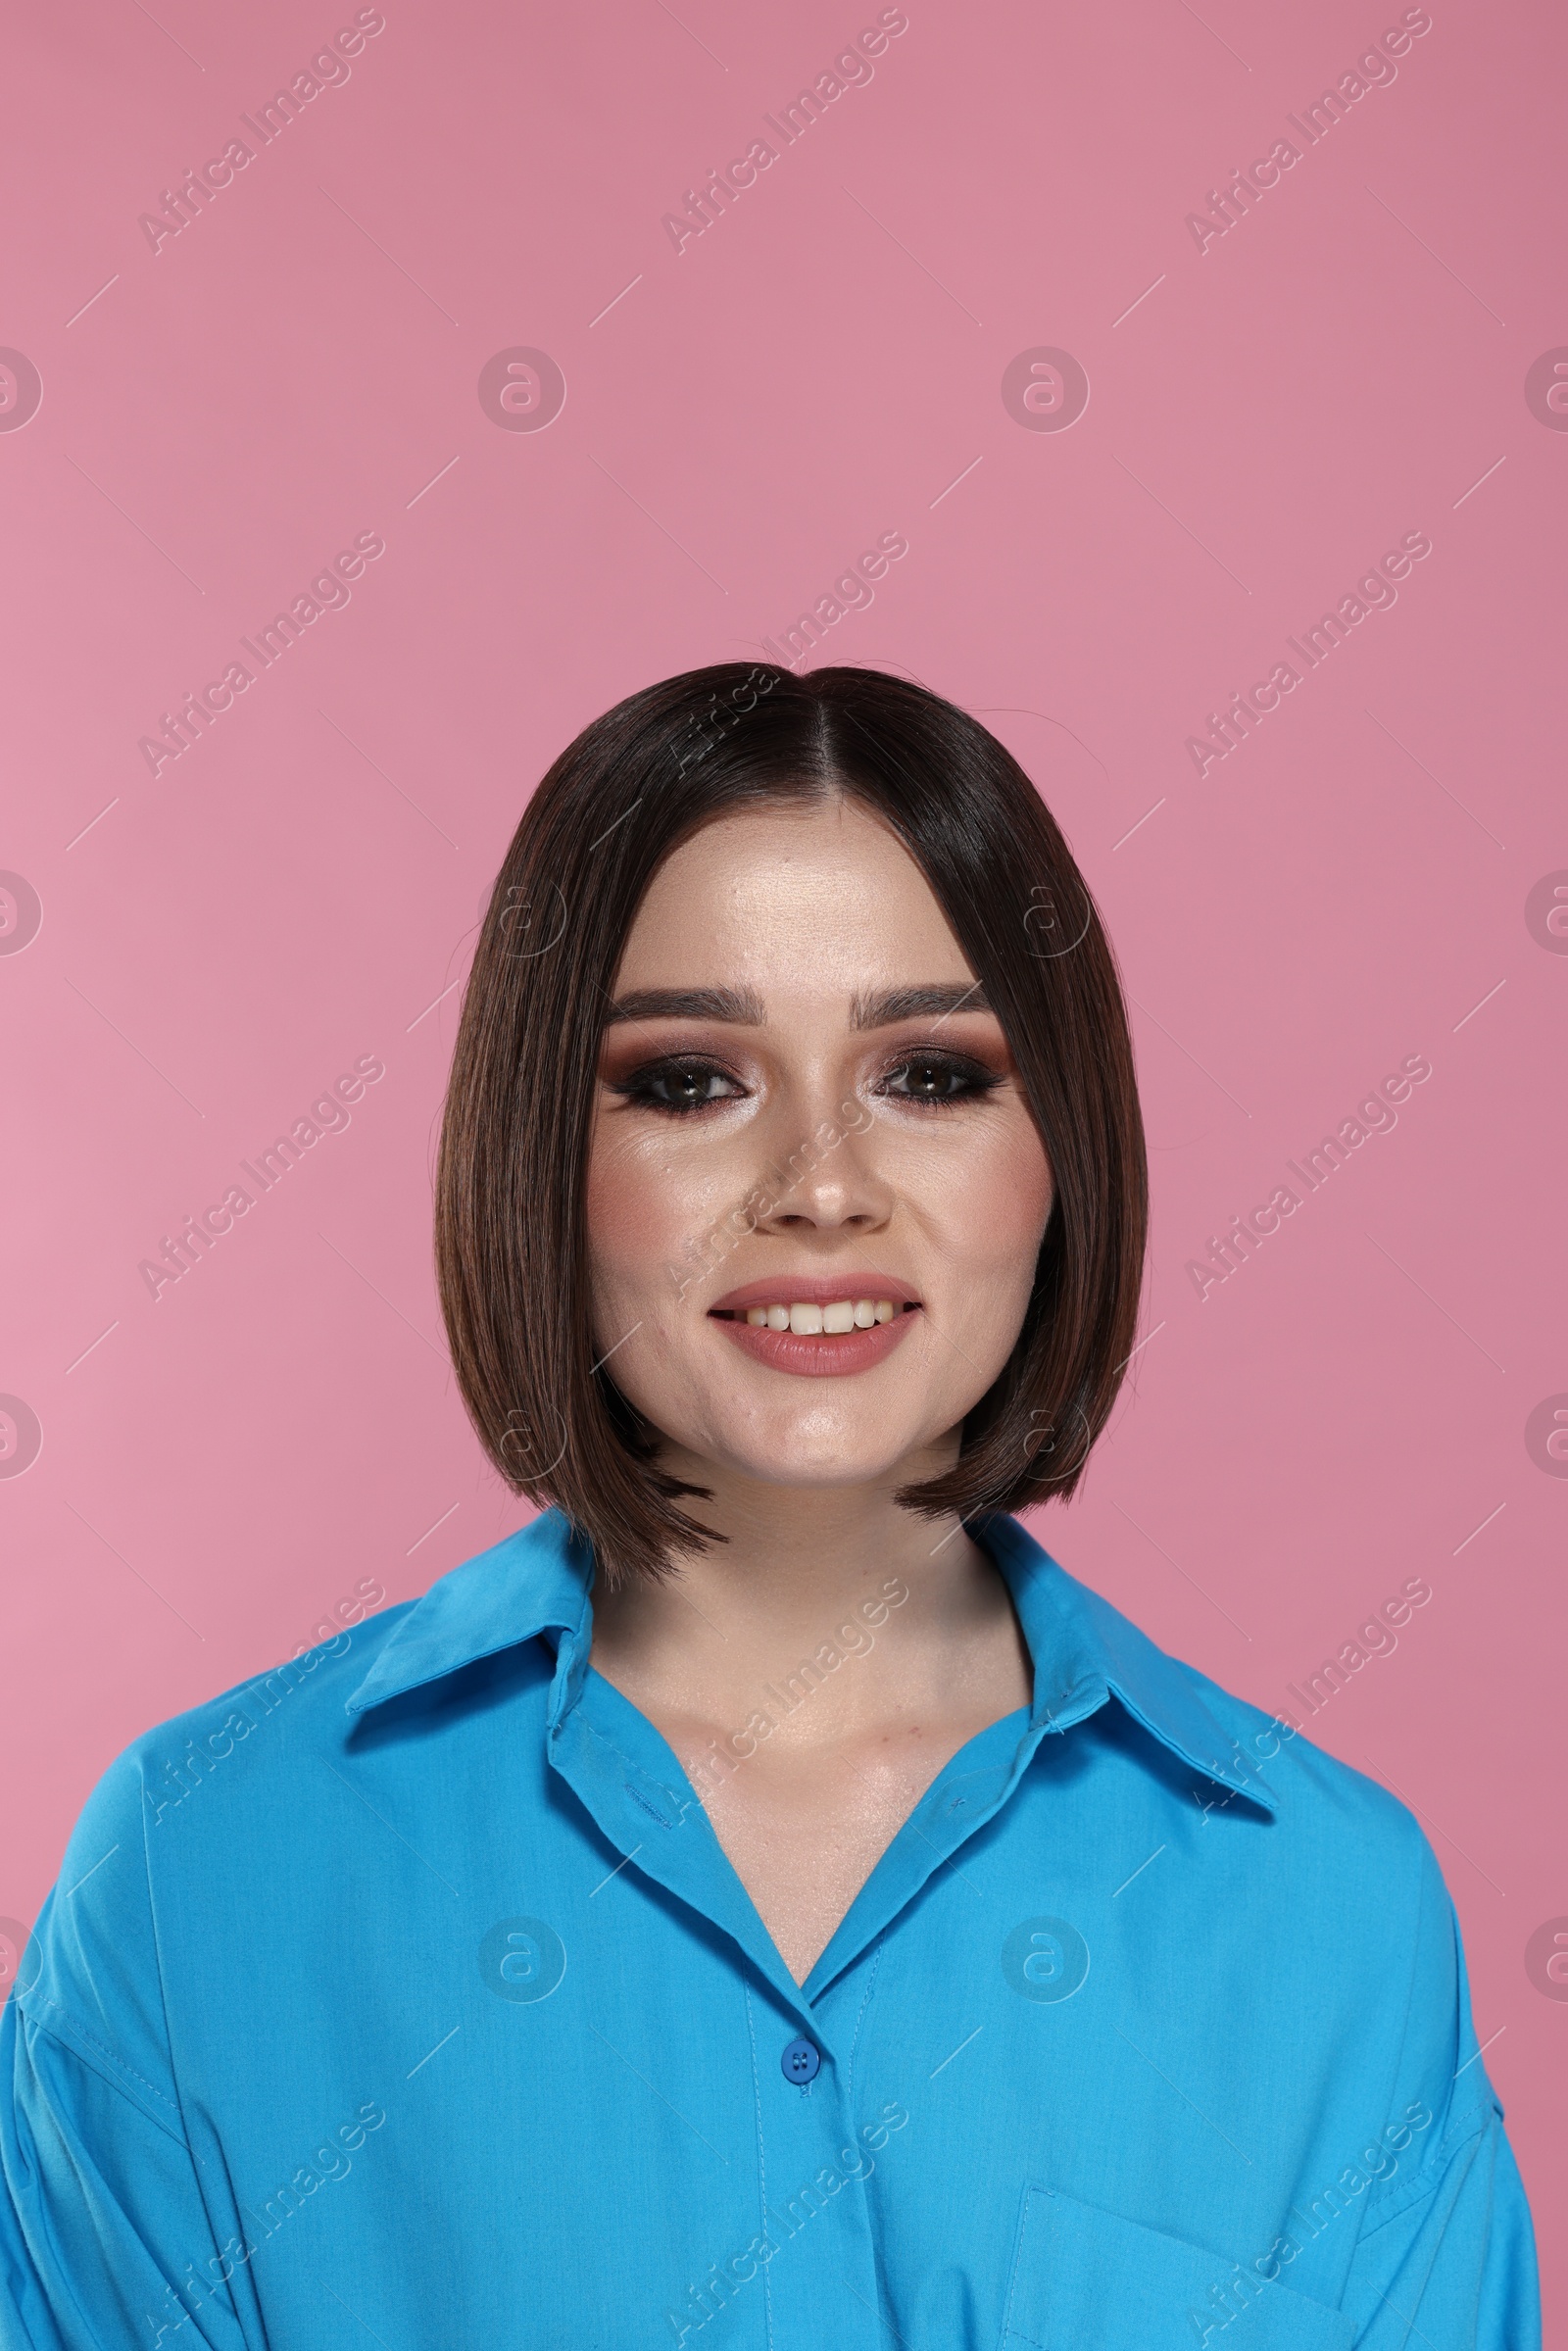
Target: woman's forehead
[822, 899]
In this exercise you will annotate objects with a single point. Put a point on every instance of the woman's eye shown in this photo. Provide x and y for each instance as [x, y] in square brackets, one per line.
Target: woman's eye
[934, 1080]
[679, 1086]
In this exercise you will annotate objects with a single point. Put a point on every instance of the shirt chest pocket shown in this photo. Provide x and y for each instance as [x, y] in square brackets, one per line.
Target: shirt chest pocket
[1084, 2280]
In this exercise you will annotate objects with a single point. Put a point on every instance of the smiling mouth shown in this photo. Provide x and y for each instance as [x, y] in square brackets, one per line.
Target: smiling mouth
[807, 1319]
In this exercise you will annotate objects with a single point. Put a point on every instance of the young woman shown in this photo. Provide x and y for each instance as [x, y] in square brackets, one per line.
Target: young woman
[766, 1901]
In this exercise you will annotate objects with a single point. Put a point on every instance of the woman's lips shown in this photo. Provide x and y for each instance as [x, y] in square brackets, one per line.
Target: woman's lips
[818, 1328]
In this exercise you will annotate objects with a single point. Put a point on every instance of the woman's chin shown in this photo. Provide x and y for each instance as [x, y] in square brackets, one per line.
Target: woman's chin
[836, 1457]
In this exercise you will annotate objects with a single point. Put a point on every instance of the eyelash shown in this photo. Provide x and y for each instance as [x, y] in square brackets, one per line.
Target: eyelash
[974, 1082]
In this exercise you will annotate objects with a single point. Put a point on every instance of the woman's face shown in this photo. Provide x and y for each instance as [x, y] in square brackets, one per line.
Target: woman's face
[806, 1116]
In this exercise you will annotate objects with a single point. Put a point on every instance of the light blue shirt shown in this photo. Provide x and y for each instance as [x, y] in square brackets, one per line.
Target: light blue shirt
[406, 1997]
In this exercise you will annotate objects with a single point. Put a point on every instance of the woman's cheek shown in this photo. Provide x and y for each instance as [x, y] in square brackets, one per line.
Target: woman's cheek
[626, 1208]
[987, 1195]
[1023, 1190]
[1010, 1202]
[651, 1207]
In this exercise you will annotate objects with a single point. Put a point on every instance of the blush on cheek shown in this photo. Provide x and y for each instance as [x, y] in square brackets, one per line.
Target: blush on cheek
[646, 1235]
[984, 1201]
[1008, 1199]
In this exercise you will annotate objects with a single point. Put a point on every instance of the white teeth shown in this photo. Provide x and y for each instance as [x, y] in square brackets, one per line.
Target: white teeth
[807, 1321]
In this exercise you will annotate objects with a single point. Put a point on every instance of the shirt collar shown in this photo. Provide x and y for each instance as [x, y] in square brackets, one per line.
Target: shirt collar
[539, 1581]
[1084, 1649]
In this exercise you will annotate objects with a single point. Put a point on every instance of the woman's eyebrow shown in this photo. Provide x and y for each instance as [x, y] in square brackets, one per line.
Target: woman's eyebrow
[736, 1004]
[916, 1003]
[742, 1007]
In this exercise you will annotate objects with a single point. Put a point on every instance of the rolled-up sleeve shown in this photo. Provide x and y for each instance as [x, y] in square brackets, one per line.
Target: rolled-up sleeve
[104, 2237]
[1448, 2258]
[1456, 2269]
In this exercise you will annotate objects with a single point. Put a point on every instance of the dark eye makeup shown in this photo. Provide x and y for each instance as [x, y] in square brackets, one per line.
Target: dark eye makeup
[678, 1084]
[937, 1079]
[681, 1085]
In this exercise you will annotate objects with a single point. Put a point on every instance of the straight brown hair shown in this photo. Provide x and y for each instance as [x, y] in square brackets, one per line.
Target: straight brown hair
[511, 1245]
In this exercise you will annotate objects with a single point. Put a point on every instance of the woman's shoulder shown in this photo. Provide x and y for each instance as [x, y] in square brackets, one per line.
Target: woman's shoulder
[1245, 1748]
[1309, 1783]
[256, 1763]
[1342, 1895]
[183, 1808]
[271, 1726]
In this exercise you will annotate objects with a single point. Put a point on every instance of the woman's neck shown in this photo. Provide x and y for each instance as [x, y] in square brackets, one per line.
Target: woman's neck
[813, 1674]
[895, 1612]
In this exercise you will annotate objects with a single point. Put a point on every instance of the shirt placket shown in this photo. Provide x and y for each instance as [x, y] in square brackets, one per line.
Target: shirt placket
[815, 2158]
[820, 2136]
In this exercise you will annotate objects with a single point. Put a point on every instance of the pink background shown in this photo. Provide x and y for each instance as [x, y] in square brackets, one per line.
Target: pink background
[299, 365]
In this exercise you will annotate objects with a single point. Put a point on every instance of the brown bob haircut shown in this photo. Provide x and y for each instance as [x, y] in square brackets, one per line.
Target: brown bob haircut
[511, 1247]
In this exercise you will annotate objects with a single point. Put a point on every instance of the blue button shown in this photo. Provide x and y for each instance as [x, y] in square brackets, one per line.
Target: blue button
[802, 2061]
